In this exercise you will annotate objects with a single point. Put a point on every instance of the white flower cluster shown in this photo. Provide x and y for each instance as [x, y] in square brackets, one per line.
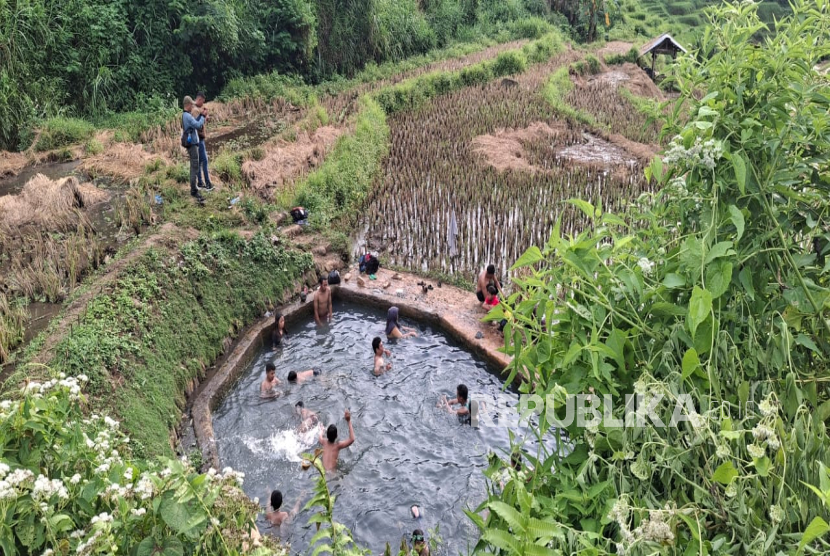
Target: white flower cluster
[655, 529]
[646, 266]
[777, 514]
[756, 451]
[11, 485]
[103, 517]
[762, 433]
[44, 489]
[228, 473]
[768, 407]
[71, 384]
[85, 546]
[144, 489]
[702, 153]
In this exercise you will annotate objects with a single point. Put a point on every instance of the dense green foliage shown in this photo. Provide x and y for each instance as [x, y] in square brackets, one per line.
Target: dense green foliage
[712, 293]
[92, 58]
[164, 321]
[68, 485]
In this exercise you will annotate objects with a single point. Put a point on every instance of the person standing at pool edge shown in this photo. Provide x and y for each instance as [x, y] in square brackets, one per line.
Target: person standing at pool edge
[323, 310]
[486, 278]
[190, 132]
[331, 447]
[203, 156]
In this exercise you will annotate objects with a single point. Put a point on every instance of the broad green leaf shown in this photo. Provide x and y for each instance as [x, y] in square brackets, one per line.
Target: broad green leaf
[657, 168]
[762, 465]
[806, 341]
[740, 171]
[718, 278]
[720, 249]
[177, 516]
[746, 281]
[672, 281]
[508, 513]
[700, 305]
[501, 539]
[543, 349]
[738, 220]
[586, 207]
[538, 550]
[530, 257]
[725, 473]
[691, 362]
[817, 528]
[171, 546]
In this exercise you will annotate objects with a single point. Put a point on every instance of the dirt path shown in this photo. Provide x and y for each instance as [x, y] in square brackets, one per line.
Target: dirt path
[168, 236]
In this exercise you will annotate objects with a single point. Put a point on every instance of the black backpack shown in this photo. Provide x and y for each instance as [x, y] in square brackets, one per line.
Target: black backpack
[334, 278]
[370, 264]
[185, 136]
[299, 214]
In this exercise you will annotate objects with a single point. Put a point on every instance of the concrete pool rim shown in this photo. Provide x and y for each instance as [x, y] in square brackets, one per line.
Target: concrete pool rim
[457, 324]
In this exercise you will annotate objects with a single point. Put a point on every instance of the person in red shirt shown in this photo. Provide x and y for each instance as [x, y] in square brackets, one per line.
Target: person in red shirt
[492, 298]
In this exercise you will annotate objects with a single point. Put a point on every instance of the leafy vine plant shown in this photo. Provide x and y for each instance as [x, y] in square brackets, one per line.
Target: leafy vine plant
[712, 290]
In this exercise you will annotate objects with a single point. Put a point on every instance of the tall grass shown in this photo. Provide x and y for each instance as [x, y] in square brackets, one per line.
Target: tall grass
[60, 132]
[13, 317]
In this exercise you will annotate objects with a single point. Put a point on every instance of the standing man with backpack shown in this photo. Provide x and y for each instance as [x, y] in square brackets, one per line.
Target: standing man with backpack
[190, 141]
[203, 156]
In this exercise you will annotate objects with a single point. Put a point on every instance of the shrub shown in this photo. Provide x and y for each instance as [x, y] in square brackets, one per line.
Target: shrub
[61, 132]
[592, 64]
[228, 166]
[631, 56]
[475, 75]
[180, 173]
[529, 28]
[684, 304]
[68, 485]
[93, 147]
[509, 63]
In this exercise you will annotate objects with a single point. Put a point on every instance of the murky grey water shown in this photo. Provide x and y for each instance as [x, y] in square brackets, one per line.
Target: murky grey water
[407, 451]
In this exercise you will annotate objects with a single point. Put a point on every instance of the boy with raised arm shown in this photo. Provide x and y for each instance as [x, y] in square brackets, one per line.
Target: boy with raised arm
[331, 447]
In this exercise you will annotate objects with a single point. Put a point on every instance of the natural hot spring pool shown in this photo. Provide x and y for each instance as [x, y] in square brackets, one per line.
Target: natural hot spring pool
[407, 451]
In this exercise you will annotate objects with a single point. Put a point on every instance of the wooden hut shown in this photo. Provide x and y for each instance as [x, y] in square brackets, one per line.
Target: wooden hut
[664, 44]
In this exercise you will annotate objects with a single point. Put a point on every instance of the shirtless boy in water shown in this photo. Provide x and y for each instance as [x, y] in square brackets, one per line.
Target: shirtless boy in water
[308, 418]
[276, 517]
[381, 366]
[331, 447]
[323, 310]
[268, 387]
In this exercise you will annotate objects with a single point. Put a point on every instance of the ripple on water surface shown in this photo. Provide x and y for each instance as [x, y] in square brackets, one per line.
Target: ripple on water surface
[407, 451]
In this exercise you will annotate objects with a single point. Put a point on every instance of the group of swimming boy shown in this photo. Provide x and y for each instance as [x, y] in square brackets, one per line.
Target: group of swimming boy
[487, 288]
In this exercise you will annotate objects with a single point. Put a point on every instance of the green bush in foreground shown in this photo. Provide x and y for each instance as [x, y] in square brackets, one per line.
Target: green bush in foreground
[68, 486]
[709, 303]
[61, 132]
